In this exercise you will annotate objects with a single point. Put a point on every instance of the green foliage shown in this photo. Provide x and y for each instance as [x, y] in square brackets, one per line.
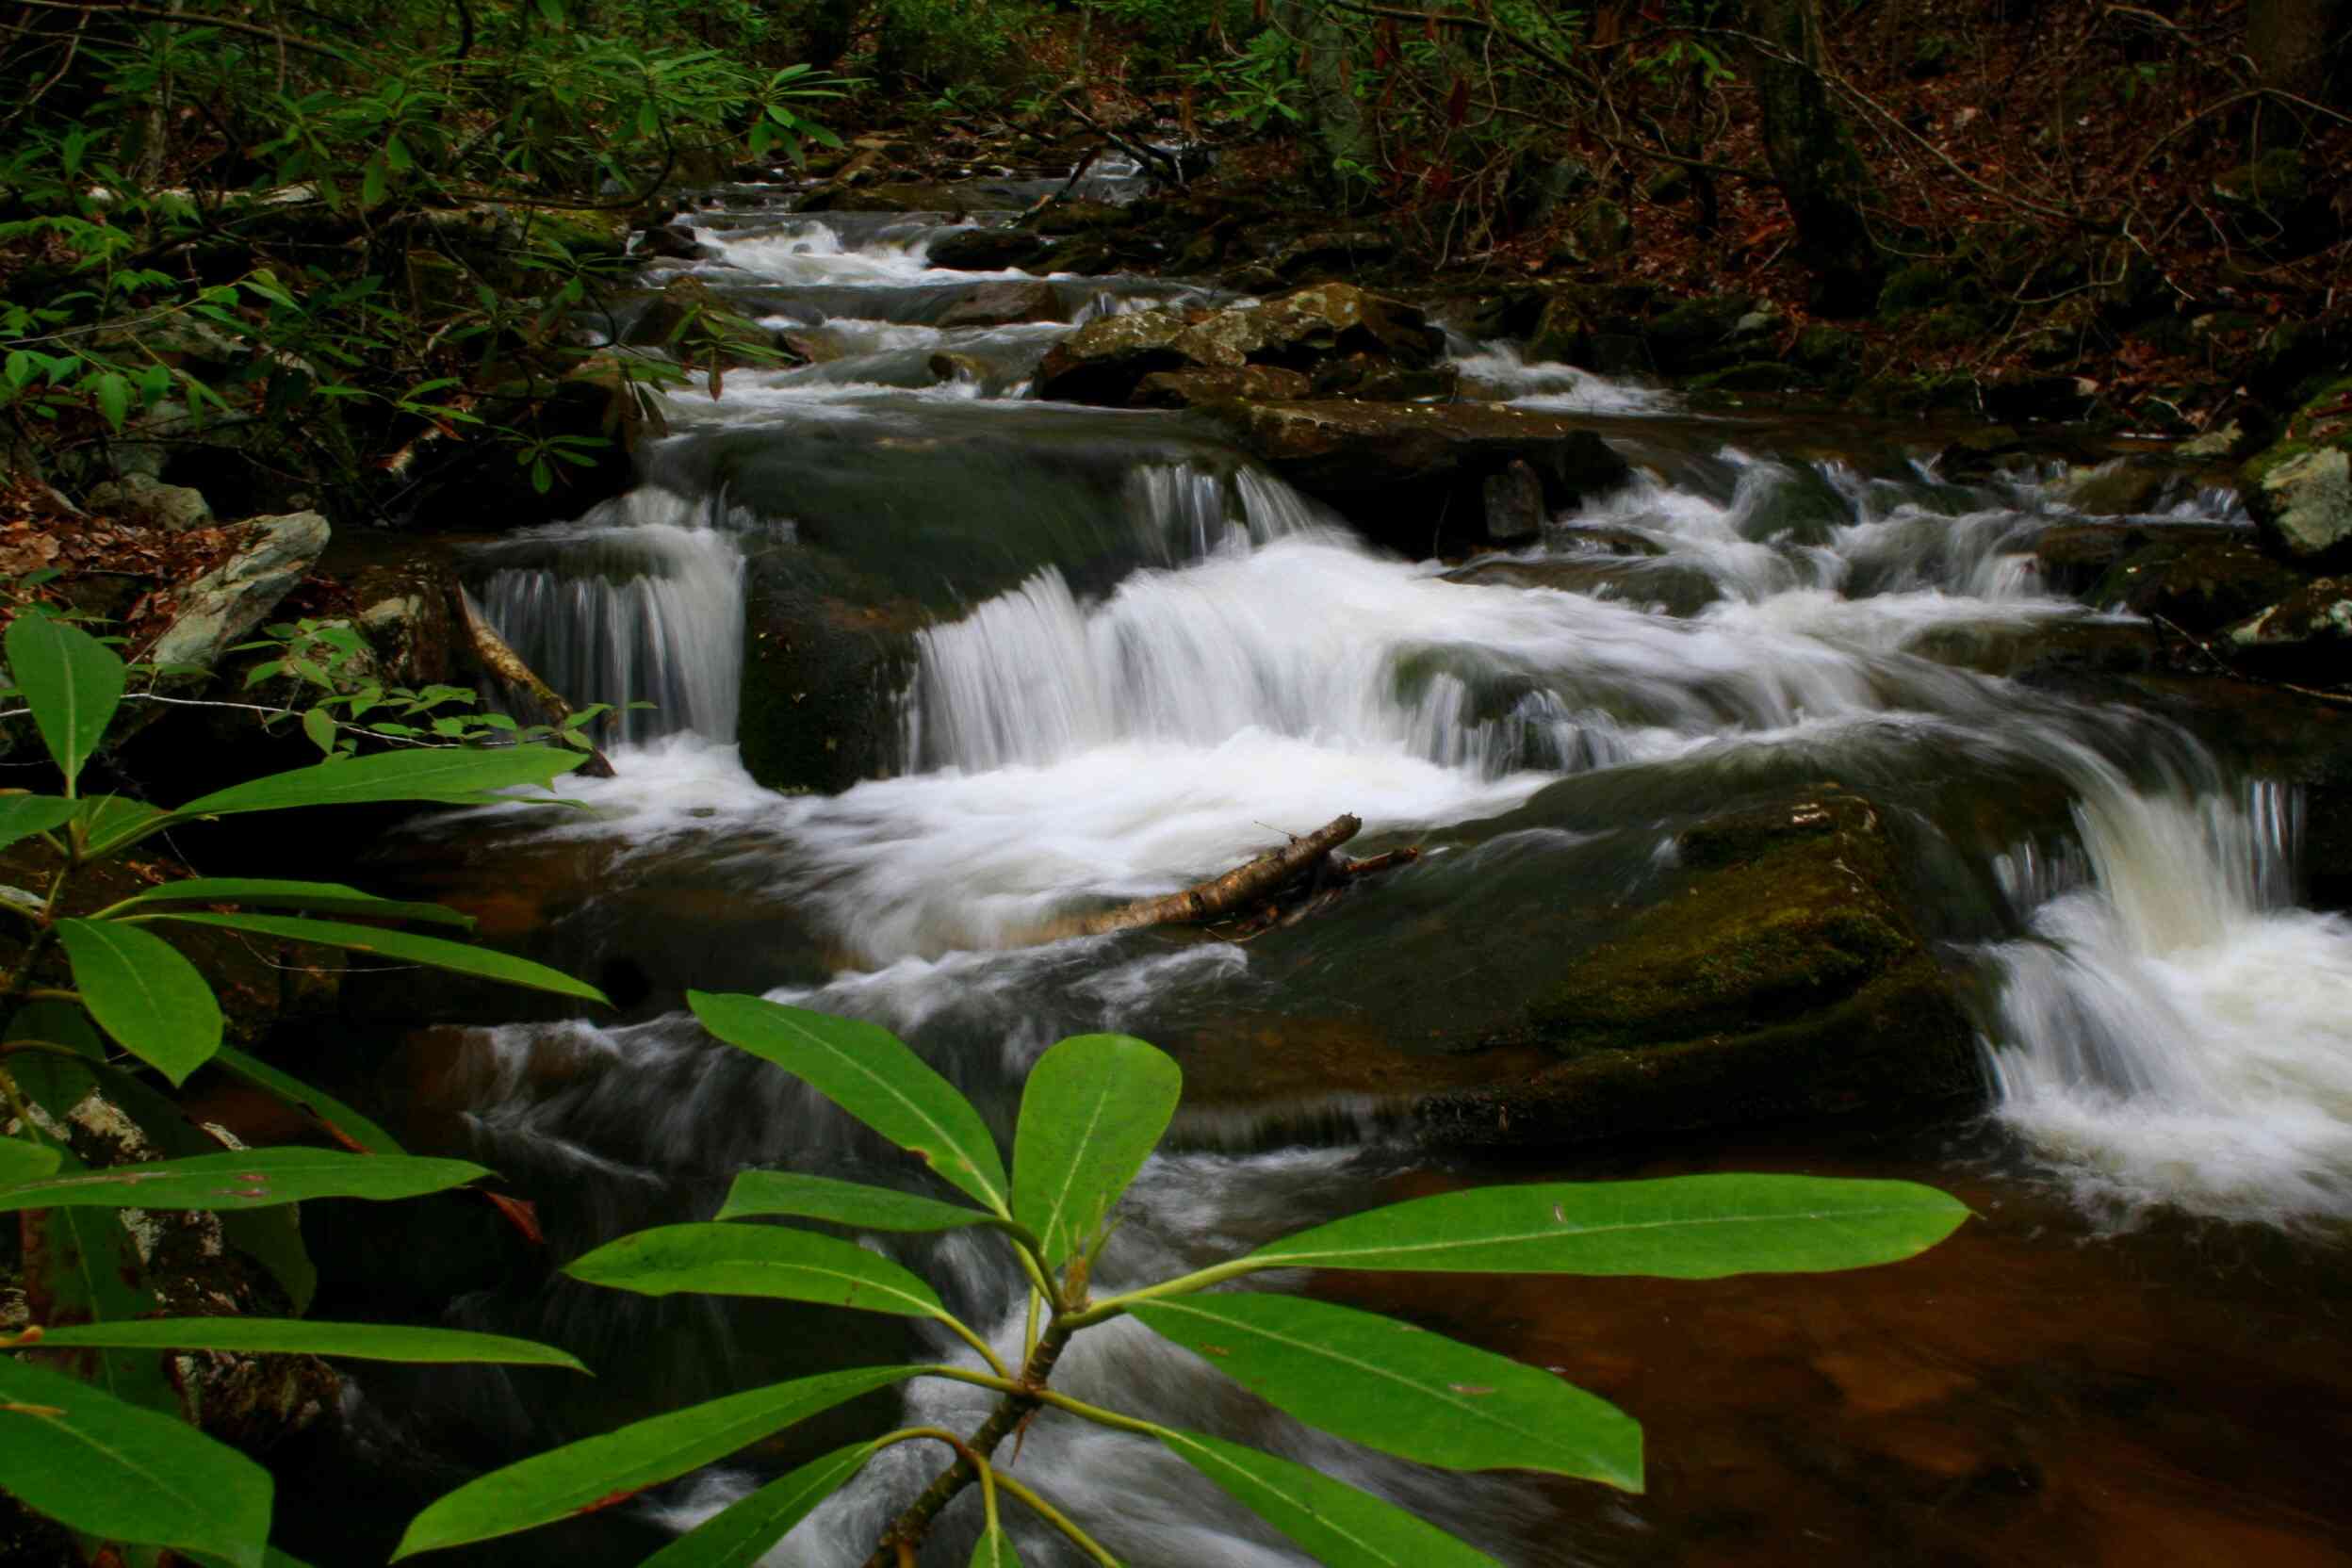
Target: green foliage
[292, 233]
[1093, 1109]
[108, 1453]
[334, 672]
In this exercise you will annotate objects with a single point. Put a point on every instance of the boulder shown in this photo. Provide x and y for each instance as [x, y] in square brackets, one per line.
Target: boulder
[2123, 488]
[1776, 977]
[996, 304]
[1080, 216]
[2071, 558]
[825, 656]
[985, 250]
[221, 609]
[1193, 389]
[675, 242]
[2306, 637]
[1413, 474]
[1514, 501]
[141, 499]
[2301, 493]
[1103, 361]
[2199, 584]
[405, 608]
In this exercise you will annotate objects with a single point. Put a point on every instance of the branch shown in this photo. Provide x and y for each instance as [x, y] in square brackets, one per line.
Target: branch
[188, 18]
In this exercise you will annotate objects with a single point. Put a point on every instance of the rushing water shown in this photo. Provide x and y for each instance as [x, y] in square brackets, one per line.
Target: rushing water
[1182, 661]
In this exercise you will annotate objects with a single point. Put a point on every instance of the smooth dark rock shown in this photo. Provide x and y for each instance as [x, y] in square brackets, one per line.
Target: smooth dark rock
[996, 304]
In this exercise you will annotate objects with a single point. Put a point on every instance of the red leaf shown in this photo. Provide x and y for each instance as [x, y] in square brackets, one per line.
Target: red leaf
[608, 1500]
[521, 1214]
[1458, 102]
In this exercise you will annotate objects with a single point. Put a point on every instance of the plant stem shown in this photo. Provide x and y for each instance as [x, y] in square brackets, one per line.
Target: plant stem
[1023, 1397]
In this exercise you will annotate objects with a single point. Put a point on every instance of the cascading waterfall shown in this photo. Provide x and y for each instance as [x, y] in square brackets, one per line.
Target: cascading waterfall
[1205, 660]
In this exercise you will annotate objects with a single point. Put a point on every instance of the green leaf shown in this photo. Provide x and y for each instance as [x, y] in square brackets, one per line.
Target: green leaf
[303, 1337]
[318, 1105]
[22, 1160]
[1403, 1390]
[757, 1260]
[71, 681]
[598, 1471]
[994, 1549]
[1678, 1228]
[868, 1073]
[244, 1179]
[1093, 1111]
[319, 724]
[22, 816]
[784, 1192]
[112, 394]
[436, 951]
[112, 820]
[330, 896]
[141, 991]
[1337, 1526]
[112, 1470]
[743, 1533]
[450, 776]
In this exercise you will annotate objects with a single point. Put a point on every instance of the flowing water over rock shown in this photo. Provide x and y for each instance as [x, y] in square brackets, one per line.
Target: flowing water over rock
[1094, 655]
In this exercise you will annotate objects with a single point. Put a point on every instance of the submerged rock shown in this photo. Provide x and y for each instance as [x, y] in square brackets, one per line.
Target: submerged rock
[1674, 587]
[1777, 978]
[997, 304]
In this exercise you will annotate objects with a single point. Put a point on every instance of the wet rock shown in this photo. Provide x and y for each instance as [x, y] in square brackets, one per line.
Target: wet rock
[1376, 377]
[1513, 503]
[1411, 473]
[2299, 489]
[406, 611]
[1777, 978]
[1672, 587]
[2123, 488]
[2306, 637]
[953, 367]
[997, 304]
[2199, 584]
[149, 503]
[2045, 653]
[985, 250]
[221, 608]
[2224, 443]
[1194, 389]
[1560, 335]
[1104, 360]
[1826, 349]
[675, 242]
[825, 655]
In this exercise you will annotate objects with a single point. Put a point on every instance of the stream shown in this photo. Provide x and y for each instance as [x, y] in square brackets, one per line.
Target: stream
[1143, 659]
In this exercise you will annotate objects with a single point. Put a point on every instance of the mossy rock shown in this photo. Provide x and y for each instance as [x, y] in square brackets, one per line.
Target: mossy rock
[1778, 976]
[1825, 350]
[1918, 286]
[1698, 333]
[2299, 488]
[2199, 584]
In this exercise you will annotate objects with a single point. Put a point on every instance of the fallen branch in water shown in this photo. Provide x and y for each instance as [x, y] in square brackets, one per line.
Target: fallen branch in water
[1280, 886]
[538, 700]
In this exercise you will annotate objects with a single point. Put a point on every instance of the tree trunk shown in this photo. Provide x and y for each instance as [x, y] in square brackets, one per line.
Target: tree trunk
[2299, 47]
[1823, 178]
[1334, 118]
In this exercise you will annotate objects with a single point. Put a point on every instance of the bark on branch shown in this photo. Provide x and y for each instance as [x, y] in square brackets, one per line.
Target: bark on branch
[538, 702]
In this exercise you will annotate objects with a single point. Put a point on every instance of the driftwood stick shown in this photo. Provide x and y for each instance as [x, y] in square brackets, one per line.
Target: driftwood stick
[1220, 896]
[538, 700]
